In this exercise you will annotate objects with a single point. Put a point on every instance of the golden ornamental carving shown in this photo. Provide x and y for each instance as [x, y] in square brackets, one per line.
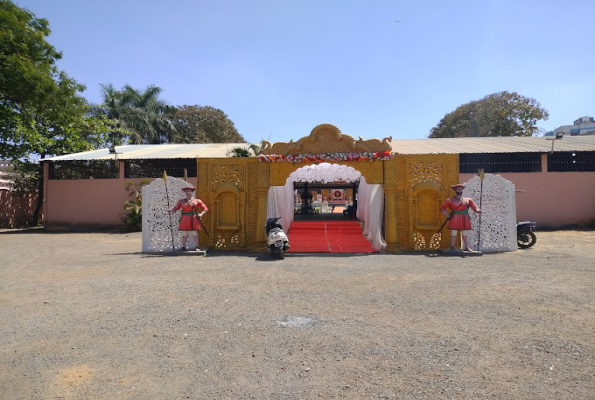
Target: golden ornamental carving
[226, 240]
[327, 138]
[426, 240]
[390, 171]
[420, 171]
[252, 209]
[453, 171]
[263, 176]
[227, 173]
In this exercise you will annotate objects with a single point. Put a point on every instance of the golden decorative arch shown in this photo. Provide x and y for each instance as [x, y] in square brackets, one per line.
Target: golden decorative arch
[236, 190]
[327, 138]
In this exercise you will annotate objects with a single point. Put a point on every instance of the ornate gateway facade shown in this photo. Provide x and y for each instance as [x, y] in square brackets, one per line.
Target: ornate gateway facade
[236, 189]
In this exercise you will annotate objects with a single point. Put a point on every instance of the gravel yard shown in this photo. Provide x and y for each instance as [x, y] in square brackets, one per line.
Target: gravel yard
[88, 316]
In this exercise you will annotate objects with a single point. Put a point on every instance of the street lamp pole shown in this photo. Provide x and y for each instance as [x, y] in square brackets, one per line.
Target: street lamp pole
[559, 136]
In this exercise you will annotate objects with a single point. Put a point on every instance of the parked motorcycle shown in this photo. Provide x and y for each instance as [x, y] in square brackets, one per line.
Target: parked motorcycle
[525, 234]
[277, 240]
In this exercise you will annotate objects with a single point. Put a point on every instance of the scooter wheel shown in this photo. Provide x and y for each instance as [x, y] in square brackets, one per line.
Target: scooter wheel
[280, 254]
[526, 240]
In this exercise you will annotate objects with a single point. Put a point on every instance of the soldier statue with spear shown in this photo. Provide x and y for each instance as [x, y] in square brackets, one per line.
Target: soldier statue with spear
[190, 220]
[458, 219]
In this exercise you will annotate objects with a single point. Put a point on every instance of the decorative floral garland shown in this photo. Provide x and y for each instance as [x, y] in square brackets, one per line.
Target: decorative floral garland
[327, 157]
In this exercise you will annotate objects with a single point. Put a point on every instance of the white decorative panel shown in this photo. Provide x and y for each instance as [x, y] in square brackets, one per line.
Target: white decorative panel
[498, 221]
[158, 224]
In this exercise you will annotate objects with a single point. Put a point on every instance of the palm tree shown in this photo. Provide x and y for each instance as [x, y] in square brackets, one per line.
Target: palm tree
[141, 112]
[238, 152]
[246, 151]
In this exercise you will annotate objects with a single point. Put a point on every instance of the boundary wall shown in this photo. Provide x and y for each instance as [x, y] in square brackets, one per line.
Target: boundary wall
[552, 199]
[16, 210]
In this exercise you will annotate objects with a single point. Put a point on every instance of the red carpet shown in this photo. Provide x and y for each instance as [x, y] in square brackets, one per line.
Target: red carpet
[328, 237]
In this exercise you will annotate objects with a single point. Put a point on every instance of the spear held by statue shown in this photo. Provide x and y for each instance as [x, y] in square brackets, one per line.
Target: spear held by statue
[173, 248]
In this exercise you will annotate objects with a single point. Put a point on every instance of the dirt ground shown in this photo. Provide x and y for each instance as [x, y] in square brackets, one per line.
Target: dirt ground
[88, 316]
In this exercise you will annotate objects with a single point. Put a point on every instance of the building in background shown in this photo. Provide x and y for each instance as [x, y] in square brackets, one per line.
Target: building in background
[582, 126]
[75, 183]
[6, 170]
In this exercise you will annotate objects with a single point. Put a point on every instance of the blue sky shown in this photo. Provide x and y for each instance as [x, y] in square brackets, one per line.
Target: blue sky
[373, 68]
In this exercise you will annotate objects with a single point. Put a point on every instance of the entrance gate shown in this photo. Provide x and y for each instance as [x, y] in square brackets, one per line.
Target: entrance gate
[236, 189]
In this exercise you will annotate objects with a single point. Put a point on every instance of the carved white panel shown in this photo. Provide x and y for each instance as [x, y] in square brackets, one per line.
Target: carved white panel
[496, 197]
[159, 227]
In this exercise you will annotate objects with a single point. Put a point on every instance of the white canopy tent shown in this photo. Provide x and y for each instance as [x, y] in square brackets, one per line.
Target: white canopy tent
[370, 199]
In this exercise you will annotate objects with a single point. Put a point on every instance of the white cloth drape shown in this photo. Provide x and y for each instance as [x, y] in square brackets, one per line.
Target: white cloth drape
[281, 203]
[370, 210]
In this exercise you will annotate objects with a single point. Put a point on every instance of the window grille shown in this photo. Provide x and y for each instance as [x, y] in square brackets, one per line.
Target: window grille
[84, 169]
[571, 161]
[154, 168]
[500, 162]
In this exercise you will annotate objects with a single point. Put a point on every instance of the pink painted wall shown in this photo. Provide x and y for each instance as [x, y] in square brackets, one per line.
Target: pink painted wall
[88, 203]
[552, 198]
[85, 203]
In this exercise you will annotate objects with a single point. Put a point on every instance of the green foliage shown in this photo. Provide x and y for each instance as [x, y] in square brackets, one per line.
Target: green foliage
[27, 62]
[253, 149]
[498, 114]
[239, 152]
[256, 149]
[27, 179]
[204, 124]
[41, 111]
[133, 218]
[146, 118]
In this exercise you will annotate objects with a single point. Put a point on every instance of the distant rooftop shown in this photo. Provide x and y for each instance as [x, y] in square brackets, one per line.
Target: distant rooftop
[156, 151]
[468, 145]
[403, 146]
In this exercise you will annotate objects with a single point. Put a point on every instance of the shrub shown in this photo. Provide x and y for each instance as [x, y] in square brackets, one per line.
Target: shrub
[133, 218]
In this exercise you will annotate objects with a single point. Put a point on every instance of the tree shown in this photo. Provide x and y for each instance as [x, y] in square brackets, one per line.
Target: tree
[140, 112]
[41, 111]
[252, 149]
[498, 114]
[204, 124]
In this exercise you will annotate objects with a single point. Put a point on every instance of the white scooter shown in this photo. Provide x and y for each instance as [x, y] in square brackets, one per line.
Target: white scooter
[277, 240]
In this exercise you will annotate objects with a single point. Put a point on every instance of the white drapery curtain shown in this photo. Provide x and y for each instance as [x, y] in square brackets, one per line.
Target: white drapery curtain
[281, 203]
[370, 210]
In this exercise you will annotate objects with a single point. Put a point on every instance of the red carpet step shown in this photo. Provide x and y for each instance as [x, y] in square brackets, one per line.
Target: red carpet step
[328, 237]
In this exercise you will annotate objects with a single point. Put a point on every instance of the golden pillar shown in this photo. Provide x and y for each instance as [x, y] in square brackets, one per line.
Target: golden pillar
[262, 192]
[390, 206]
[390, 218]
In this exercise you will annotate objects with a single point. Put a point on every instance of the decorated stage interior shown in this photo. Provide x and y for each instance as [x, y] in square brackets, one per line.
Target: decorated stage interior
[325, 219]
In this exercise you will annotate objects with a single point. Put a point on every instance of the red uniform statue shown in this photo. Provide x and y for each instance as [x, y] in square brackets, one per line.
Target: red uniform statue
[190, 215]
[459, 216]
